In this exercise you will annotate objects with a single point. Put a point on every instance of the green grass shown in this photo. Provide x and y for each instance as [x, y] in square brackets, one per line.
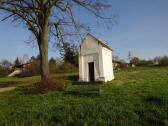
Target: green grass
[17, 79]
[137, 97]
[13, 81]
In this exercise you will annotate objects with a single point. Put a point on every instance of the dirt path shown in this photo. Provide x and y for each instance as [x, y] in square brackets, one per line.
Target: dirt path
[7, 89]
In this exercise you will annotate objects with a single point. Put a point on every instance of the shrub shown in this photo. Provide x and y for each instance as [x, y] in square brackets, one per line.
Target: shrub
[4, 71]
[145, 63]
[140, 62]
[66, 68]
[163, 61]
[5, 67]
[33, 69]
[50, 85]
[52, 65]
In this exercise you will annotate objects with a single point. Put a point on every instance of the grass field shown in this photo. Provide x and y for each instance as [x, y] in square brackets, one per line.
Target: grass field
[137, 97]
[14, 81]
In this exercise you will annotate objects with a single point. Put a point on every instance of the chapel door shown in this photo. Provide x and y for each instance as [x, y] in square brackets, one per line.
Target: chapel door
[91, 72]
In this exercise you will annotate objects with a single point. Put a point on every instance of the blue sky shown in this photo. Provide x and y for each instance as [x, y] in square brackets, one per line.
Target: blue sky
[142, 28]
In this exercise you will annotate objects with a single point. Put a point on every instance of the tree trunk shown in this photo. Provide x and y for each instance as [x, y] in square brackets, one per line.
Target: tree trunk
[43, 49]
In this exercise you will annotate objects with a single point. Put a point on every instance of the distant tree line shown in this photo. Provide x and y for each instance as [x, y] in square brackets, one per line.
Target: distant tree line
[158, 61]
[67, 63]
[161, 60]
[135, 61]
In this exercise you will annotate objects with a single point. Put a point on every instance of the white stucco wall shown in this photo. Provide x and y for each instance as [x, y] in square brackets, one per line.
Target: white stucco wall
[92, 51]
[86, 60]
[107, 64]
[89, 46]
[88, 52]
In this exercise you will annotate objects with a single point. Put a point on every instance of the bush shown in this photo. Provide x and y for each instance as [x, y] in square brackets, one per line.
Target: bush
[52, 65]
[145, 63]
[5, 67]
[163, 61]
[34, 69]
[140, 62]
[66, 68]
[50, 85]
[4, 71]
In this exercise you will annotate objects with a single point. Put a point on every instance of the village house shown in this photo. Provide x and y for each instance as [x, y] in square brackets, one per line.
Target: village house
[19, 69]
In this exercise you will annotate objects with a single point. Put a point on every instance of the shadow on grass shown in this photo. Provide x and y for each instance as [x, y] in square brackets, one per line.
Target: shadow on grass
[84, 89]
[87, 92]
[71, 77]
[8, 84]
[157, 100]
[81, 94]
[3, 85]
[75, 88]
[87, 83]
[26, 90]
[75, 80]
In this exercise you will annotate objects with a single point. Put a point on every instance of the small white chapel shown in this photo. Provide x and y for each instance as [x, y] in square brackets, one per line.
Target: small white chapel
[95, 60]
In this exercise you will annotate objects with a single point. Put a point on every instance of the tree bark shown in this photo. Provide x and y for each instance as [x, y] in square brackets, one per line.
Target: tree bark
[43, 50]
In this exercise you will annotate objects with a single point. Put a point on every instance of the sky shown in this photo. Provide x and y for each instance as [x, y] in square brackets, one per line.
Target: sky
[141, 28]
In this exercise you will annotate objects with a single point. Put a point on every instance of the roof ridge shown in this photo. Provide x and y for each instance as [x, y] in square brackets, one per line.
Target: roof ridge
[104, 43]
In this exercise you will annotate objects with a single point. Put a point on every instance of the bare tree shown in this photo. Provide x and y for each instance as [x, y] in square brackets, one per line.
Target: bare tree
[116, 58]
[48, 18]
[25, 59]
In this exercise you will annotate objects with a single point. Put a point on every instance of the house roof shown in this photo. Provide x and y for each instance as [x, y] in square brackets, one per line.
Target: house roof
[103, 43]
[21, 65]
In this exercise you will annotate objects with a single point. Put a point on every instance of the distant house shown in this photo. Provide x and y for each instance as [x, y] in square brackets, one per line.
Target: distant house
[22, 66]
[19, 69]
[95, 60]
[116, 64]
